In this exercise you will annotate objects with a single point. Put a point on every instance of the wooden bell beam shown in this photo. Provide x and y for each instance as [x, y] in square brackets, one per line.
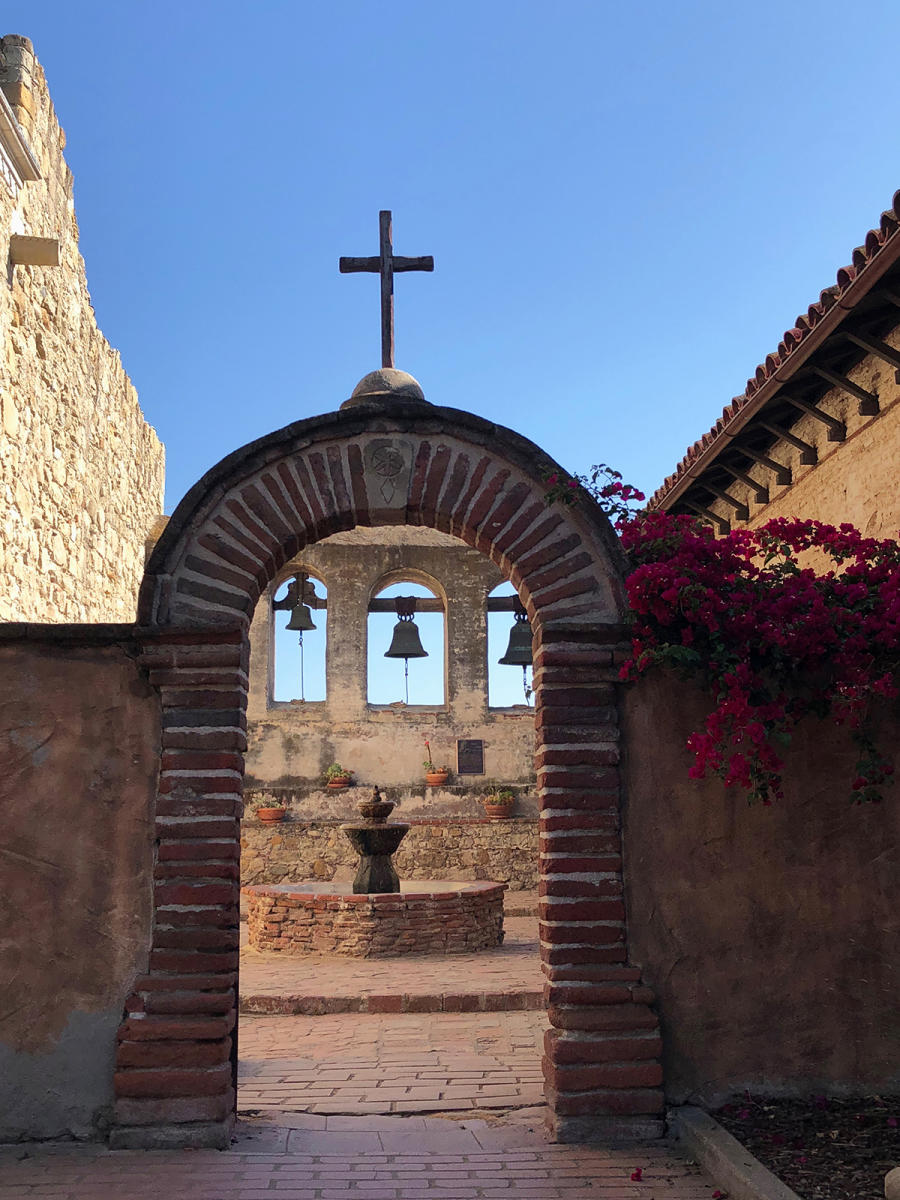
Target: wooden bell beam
[837, 430]
[432, 604]
[783, 475]
[760, 489]
[809, 455]
[741, 511]
[868, 401]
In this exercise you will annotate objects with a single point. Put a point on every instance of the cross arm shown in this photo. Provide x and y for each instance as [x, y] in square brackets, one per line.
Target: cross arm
[399, 263]
[349, 265]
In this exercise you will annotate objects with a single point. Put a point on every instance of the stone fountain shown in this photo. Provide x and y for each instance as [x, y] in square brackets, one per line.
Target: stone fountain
[380, 917]
[375, 842]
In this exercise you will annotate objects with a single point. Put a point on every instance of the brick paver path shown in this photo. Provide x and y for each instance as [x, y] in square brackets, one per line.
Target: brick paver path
[403, 1063]
[508, 977]
[253, 1172]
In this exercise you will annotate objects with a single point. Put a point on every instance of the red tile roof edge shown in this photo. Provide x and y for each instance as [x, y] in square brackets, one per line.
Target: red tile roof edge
[856, 273]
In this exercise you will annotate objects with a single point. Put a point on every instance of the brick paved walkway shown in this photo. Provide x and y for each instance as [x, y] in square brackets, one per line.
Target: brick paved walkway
[252, 1172]
[507, 978]
[391, 1064]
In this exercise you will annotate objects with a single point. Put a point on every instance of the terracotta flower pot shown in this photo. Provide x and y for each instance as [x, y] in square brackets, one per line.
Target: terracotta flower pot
[497, 812]
[271, 816]
[436, 778]
[338, 782]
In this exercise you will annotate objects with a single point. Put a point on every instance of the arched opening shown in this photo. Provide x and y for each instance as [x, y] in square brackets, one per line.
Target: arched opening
[226, 543]
[299, 614]
[395, 679]
[509, 683]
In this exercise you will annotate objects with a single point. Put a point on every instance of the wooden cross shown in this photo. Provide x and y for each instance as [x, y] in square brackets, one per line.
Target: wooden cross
[385, 265]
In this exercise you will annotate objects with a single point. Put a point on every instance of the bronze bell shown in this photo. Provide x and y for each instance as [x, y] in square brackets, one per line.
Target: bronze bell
[406, 642]
[301, 619]
[518, 652]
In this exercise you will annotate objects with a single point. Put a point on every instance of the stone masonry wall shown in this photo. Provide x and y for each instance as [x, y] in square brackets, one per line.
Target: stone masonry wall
[81, 471]
[506, 851]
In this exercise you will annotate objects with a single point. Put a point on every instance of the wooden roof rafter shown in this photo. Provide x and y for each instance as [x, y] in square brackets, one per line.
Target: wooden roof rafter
[849, 322]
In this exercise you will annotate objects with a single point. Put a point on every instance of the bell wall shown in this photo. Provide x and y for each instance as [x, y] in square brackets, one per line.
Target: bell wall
[290, 744]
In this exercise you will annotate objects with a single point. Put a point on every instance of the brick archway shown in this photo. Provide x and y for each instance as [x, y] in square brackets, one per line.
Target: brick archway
[407, 464]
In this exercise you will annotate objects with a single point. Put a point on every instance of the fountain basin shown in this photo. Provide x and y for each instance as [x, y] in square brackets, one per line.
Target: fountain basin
[433, 917]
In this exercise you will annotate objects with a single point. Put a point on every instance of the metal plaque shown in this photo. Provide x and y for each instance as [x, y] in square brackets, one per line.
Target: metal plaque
[470, 756]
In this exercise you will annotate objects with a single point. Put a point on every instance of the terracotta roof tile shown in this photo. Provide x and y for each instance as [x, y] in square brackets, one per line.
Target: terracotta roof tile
[874, 241]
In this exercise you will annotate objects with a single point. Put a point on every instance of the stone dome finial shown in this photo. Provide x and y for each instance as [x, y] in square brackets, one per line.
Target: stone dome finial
[384, 386]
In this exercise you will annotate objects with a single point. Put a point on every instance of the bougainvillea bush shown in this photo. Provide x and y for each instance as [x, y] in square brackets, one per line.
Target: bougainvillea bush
[772, 637]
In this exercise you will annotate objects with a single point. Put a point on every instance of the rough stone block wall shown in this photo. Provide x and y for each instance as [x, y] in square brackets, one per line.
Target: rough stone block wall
[81, 471]
[457, 921]
[505, 851]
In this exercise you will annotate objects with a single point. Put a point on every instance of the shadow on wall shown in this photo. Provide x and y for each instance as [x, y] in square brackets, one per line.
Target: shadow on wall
[769, 934]
[79, 735]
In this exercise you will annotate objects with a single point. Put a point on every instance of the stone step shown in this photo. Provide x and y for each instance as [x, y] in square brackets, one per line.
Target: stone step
[519, 1000]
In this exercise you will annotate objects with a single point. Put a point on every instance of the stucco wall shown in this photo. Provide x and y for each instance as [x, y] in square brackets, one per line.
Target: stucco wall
[81, 471]
[770, 934]
[79, 735]
[854, 480]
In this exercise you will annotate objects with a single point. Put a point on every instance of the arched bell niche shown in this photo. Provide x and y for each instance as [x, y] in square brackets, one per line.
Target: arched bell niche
[297, 637]
[395, 679]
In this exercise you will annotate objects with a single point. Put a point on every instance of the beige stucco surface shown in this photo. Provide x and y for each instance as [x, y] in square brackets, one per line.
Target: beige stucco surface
[81, 471]
[79, 740]
[769, 934]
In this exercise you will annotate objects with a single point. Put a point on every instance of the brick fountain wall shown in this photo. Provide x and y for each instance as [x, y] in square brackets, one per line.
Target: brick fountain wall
[304, 920]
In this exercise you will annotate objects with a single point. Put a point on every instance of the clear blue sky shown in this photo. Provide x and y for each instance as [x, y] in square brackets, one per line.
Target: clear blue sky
[627, 203]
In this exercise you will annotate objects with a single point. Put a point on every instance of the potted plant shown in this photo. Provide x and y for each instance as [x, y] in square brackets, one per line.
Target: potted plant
[337, 777]
[266, 811]
[498, 806]
[434, 776]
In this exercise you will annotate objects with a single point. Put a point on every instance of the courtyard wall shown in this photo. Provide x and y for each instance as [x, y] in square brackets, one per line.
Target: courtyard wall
[476, 849]
[81, 471]
[769, 934]
[79, 734]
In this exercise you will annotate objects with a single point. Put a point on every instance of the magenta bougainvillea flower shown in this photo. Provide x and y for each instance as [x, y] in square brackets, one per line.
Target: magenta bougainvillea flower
[793, 619]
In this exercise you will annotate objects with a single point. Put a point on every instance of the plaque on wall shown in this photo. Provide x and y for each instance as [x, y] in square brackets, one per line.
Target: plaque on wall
[470, 756]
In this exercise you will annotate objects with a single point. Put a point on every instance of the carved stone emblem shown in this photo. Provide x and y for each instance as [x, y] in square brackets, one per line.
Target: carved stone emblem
[388, 465]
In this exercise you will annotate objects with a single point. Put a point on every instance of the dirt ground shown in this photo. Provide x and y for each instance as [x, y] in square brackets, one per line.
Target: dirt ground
[824, 1149]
